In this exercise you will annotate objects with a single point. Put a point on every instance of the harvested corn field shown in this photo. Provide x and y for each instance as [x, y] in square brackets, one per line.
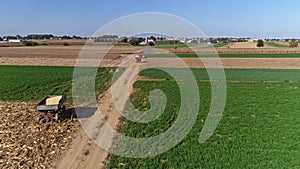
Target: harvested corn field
[27, 144]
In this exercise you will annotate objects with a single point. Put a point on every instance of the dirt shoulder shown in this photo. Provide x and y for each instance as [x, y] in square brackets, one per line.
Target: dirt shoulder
[84, 152]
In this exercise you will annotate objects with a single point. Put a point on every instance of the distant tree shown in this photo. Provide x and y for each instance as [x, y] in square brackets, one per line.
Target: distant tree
[153, 38]
[151, 43]
[76, 37]
[213, 40]
[109, 36]
[124, 39]
[161, 38]
[39, 36]
[29, 43]
[18, 36]
[66, 44]
[135, 41]
[260, 43]
[141, 39]
[66, 37]
[293, 43]
[10, 37]
[98, 40]
[194, 41]
[1, 39]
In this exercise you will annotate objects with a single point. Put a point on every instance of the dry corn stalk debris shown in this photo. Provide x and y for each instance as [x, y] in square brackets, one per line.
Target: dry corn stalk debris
[25, 143]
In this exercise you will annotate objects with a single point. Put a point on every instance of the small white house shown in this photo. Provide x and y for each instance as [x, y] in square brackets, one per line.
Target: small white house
[14, 40]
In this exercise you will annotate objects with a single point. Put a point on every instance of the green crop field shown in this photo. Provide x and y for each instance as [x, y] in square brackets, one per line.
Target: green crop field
[234, 74]
[191, 55]
[28, 83]
[277, 45]
[259, 127]
[168, 46]
[220, 45]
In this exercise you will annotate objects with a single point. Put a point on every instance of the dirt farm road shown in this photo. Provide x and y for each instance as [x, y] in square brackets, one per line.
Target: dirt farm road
[84, 152]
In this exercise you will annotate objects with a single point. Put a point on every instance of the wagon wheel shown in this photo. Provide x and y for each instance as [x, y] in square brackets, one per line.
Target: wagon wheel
[64, 109]
[72, 116]
[63, 112]
[56, 116]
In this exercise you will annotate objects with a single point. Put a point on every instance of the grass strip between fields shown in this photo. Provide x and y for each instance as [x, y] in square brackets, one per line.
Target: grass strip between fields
[183, 45]
[193, 55]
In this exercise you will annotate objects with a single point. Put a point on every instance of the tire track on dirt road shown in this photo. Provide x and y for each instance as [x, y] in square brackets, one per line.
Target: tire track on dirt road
[84, 152]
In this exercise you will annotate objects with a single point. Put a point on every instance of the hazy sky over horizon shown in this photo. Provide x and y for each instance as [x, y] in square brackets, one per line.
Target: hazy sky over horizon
[216, 18]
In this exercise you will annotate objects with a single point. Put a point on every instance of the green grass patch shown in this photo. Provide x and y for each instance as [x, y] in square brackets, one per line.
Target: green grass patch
[168, 46]
[277, 45]
[192, 55]
[259, 127]
[164, 42]
[231, 74]
[220, 45]
[32, 83]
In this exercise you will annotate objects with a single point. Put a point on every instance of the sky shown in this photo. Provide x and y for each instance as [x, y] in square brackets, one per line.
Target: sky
[216, 18]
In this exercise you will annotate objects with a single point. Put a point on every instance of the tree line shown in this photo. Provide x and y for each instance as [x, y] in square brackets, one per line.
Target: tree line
[40, 36]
